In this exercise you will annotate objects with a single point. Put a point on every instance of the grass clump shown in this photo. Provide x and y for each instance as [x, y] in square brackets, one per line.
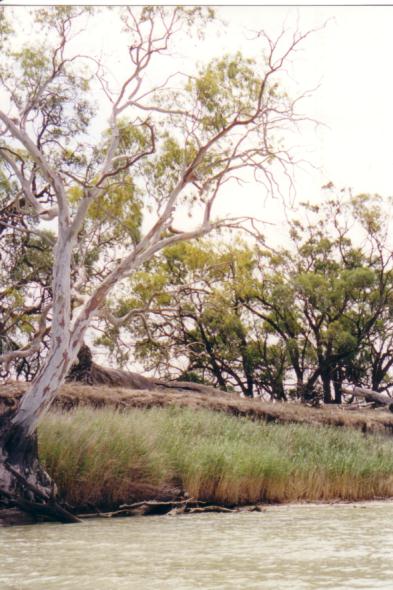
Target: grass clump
[102, 456]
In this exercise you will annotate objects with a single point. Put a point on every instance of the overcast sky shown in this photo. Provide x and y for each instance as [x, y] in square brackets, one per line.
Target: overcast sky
[350, 60]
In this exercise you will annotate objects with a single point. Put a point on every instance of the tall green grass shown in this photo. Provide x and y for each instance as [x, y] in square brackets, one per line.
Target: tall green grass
[98, 456]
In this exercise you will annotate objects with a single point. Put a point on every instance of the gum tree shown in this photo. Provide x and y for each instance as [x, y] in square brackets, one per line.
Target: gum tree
[173, 140]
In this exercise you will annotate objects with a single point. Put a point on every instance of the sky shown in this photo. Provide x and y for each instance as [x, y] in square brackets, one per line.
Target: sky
[346, 64]
[350, 61]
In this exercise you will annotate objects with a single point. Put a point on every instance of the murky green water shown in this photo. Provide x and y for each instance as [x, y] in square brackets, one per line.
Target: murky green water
[294, 547]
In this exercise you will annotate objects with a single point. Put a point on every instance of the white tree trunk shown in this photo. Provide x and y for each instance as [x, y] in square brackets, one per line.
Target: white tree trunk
[56, 366]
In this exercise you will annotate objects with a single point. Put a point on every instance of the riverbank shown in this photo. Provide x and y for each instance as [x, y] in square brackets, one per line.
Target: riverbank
[103, 458]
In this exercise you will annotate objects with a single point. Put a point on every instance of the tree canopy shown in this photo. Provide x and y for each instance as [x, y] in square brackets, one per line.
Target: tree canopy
[270, 321]
[96, 201]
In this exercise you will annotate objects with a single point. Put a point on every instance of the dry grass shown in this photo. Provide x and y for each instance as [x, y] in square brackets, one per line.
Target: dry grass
[105, 457]
[71, 396]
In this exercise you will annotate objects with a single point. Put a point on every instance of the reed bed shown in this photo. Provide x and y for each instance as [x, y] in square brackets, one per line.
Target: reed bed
[103, 457]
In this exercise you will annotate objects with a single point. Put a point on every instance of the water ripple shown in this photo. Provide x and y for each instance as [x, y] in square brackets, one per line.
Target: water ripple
[337, 547]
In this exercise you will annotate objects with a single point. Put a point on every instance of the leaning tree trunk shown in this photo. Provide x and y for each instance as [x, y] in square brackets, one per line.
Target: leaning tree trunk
[24, 484]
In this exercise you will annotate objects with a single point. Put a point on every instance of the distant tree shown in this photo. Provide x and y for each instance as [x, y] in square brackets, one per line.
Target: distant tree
[317, 313]
[185, 319]
[326, 295]
[371, 367]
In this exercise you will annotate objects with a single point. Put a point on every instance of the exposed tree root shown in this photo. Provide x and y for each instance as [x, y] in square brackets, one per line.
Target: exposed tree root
[27, 493]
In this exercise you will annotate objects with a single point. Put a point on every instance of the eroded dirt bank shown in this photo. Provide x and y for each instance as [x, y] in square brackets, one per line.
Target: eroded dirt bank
[74, 395]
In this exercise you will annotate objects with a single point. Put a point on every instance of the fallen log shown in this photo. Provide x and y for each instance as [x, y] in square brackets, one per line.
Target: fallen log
[145, 507]
[155, 507]
[172, 508]
[369, 395]
[211, 508]
[159, 503]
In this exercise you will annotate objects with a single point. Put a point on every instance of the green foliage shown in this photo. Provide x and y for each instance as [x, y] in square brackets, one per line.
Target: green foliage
[227, 85]
[201, 284]
[257, 320]
[160, 138]
[119, 210]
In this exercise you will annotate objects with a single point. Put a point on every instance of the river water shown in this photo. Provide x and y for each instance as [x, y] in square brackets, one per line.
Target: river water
[294, 547]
